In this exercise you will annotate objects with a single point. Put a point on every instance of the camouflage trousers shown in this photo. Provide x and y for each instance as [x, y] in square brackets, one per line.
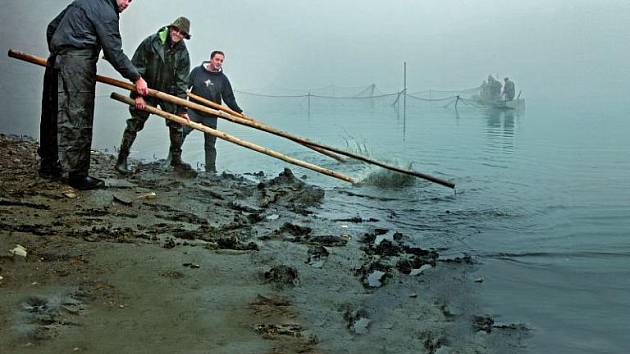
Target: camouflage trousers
[139, 118]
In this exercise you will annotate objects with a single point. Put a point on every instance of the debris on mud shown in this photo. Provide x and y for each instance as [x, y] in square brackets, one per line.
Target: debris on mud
[327, 240]
[19, 251]
[282, 276]
[9, 202]
[317, 256]
[294, 229]
[356, 220]
[172, 274]
[385, 252]
[357, 321]
[288, 191]
[482, 323]
[274, 300]
[433, 343]
[271, 331]
[374, 274]
[122, 199]
[302, 234]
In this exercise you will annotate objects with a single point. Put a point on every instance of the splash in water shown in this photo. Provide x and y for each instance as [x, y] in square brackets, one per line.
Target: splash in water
[389, 179]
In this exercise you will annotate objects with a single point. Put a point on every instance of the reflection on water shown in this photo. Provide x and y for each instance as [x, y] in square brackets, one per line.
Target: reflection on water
[500, 128]
[508, 122]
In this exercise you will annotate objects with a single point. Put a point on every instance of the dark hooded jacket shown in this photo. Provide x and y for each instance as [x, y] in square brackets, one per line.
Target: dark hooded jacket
[212, 86]
[163, 64]
[91, 25]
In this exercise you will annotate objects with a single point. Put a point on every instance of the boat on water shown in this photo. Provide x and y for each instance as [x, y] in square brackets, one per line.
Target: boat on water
[493, 94]
[515, 104]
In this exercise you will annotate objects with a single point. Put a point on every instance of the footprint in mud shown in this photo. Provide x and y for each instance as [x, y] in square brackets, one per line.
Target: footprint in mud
[44, 317]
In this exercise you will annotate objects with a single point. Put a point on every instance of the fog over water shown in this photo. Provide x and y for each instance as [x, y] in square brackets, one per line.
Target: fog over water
[551, 48]
[543, 198]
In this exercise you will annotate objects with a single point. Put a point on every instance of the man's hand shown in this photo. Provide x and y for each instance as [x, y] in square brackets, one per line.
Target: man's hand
[185, 115]
[142, 87]
[140, 102]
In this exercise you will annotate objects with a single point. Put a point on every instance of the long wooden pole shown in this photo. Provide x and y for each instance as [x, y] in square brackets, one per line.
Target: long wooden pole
[269, 129]
[257, 124]
[227, 137]
[174, 99]
[182, 102]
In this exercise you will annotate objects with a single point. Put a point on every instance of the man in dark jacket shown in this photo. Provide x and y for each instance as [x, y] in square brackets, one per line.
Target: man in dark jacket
[208, 81]
[508, 89]
[75, 38]
[163, 60]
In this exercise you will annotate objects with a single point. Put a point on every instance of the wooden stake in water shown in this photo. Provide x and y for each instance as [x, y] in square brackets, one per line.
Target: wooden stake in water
[404, 100]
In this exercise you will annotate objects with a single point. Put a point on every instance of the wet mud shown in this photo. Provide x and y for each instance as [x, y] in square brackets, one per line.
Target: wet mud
[180, 263]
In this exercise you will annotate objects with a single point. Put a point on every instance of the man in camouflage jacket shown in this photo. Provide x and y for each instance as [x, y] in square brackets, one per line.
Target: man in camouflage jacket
[163, 60]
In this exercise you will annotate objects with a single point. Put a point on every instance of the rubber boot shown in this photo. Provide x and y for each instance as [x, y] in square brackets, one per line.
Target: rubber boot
[211, 157]
[167, 162]
[175, 151]
[125, 146]
[85, 183]
[49, 170]
[121, 164]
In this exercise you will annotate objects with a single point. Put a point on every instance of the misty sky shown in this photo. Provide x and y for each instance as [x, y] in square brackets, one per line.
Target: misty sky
[549, 47]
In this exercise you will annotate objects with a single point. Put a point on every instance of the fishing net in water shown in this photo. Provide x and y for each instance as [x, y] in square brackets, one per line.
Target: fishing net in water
[444, 98]
[352, 99]
[322, 100]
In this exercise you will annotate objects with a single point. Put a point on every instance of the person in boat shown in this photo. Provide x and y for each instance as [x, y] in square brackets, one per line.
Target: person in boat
[494, 88]
[75, 38]
[208, 81]
[163, 59]
[508, 89]
[483, 92]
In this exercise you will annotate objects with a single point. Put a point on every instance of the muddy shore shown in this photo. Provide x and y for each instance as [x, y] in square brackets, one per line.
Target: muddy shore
[166, 263]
